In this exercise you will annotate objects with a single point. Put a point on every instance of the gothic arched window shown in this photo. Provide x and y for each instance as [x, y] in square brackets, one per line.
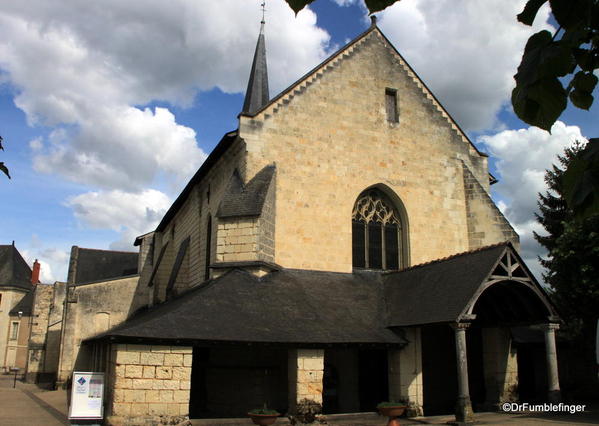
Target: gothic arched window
[376, 232]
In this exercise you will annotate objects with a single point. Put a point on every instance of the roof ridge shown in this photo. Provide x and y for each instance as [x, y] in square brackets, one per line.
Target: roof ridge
[314, 72]
[107, 250]
[450, 257]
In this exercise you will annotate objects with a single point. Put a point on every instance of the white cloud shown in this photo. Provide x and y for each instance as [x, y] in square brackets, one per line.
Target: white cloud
[54, 262]
[131, 214]
[523, 156]
[466, 51]
[84, 68]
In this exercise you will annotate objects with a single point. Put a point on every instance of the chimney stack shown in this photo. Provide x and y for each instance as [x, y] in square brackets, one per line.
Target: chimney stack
[35, 273]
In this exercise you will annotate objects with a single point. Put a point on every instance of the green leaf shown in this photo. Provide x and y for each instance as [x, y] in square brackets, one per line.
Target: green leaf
[584, 81]
[527, 16]
[378, 5]
[1, 147]
[298, 5]
[571, 13]
[4, 169]
[541, 103]
[581, 99]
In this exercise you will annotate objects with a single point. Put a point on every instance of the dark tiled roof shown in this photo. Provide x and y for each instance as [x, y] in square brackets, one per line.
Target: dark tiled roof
[256, 95]
[25, 306]
[14, 271]
[98, 265]
[248, 200]
[288, 306]
[438, 291]
[222, 147]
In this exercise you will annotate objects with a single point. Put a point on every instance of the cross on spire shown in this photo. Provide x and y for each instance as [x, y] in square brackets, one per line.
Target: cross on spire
[256, 95]
[263, 10]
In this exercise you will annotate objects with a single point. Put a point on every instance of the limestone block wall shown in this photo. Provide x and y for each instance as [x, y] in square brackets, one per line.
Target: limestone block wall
[486, 224]
[147, 384]
[237, 240]
[330, 139]
[500, 360]
[39, 329]
[405, 372]
[306, 372]
[191, 220]
[92, 309]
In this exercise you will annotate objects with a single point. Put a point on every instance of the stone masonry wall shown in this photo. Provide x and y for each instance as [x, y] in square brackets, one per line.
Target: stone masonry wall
[148, 384]
[237, 239]
[39, 328]
[306, 372]
[330, 140]
[486, 223]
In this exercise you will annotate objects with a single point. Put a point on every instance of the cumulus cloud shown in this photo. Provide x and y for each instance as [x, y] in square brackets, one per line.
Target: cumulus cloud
[466, 51]
[523, 156]
[85, 68]
[53, 261]
[131, 214]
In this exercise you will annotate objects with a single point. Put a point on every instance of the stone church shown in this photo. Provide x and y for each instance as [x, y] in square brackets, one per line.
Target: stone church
[341, 246]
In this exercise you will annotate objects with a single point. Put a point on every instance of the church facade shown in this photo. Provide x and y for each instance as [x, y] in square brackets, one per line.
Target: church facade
[340, 246]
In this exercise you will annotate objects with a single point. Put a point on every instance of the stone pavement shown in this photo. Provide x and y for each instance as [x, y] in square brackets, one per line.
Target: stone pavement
[29, 405]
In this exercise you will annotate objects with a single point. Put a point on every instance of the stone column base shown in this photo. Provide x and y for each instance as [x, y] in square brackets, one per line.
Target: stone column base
[464, 413]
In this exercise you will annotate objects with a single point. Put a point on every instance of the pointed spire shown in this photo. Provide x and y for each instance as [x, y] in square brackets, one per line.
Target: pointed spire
[256, 95]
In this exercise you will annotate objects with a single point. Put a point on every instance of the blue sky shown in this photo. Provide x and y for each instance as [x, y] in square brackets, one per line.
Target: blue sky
[107, 108]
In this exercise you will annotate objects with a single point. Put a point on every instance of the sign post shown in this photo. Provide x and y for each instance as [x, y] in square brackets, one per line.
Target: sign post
[87, 396]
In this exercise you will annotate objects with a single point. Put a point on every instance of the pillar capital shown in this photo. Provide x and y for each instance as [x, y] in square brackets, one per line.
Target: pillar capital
[460, 325]
[550, 326]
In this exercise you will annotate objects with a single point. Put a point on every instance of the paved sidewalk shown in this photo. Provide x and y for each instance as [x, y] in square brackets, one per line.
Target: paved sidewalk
[27, 404]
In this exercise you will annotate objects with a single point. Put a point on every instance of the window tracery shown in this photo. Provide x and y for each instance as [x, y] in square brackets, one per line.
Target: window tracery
[376, 232]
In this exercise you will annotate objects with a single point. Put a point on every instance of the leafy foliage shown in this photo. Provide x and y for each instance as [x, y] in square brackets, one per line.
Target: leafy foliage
[264, 412]
[3, 168]
[307, 410]
[400, 403]
[373, 5]
[573, 246]
[539, 97]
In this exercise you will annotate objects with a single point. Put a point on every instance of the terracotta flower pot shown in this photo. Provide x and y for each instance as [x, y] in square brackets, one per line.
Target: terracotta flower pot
[392, 412]
[263, 419]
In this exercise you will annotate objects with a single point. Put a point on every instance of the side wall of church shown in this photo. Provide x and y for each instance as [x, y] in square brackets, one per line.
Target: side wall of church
[191, 221]
[330, 140]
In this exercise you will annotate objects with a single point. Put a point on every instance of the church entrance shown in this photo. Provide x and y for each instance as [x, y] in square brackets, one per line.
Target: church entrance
[229, 381]
[355, 380]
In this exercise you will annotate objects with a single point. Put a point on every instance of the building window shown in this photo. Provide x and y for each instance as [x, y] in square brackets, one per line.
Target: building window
[376, 232]
[391, 105]
[14, 333]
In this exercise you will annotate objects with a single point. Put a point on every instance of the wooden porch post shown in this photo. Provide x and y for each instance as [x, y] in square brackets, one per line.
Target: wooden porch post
[464, 406]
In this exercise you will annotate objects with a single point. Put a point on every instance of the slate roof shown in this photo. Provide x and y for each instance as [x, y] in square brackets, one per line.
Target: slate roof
[291, 306]
[14, 271]
[25, 306]
[99, 265]
[288, 306]
[438, 291]
[222, 147]
[242, 200]
[256, 95]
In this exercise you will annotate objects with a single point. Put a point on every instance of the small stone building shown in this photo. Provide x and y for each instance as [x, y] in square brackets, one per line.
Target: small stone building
[341, 246]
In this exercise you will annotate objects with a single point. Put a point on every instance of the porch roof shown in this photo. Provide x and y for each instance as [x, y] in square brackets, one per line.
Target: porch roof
[286, 306]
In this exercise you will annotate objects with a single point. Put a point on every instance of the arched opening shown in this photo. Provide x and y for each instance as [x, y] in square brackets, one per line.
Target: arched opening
[379, 235]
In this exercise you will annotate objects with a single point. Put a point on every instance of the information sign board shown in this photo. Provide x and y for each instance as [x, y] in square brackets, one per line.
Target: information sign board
[87, 396]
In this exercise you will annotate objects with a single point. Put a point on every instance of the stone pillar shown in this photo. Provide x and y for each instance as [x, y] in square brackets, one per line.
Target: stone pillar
[464, 406]
[405, 372]
[148, 384]
[500, 367]
[554, 393]
[305, 374]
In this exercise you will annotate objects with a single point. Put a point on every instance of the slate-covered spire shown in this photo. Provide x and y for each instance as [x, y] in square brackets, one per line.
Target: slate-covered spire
[256, 95]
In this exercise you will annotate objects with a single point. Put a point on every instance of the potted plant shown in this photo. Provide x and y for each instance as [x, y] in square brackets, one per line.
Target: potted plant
[392, 409]
[263, 416]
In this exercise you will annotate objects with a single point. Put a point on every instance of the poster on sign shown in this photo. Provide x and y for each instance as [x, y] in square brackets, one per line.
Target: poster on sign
[87, 395]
